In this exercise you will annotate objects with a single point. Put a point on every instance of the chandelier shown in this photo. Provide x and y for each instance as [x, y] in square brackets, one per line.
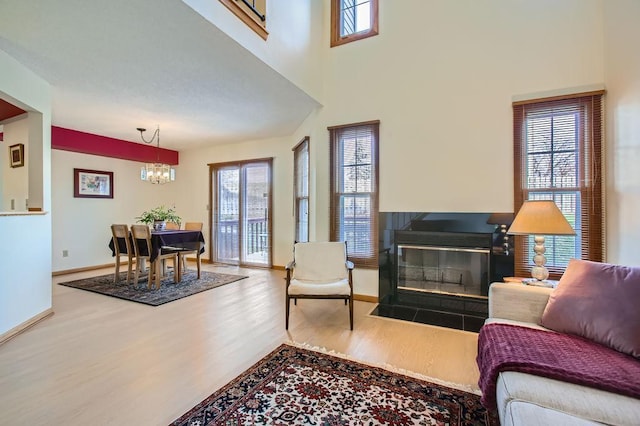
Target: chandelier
[156, 172]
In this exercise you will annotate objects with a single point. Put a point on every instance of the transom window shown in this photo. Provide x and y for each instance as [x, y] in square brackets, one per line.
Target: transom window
[558, 156]
[353, 20]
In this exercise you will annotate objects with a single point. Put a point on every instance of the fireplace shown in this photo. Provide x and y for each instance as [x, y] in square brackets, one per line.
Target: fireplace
[436, 268]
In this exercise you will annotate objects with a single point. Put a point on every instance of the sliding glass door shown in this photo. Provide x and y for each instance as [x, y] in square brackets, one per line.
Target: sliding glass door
[241, 194]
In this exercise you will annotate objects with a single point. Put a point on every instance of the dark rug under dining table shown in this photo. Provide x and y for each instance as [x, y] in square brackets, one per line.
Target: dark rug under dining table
[168, 291]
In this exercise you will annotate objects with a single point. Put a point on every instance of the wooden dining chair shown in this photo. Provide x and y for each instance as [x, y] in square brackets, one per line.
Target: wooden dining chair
[141, 236]
[191, 226]
[172, 226]
[122, 247]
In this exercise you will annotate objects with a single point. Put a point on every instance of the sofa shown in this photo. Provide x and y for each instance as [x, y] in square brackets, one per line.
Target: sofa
[523, 398]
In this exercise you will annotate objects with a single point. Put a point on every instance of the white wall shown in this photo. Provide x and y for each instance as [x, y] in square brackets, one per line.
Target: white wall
[294, 42]
[25, 283]
[441, 75]
[82, 225]
[14, 180]
[622, 76]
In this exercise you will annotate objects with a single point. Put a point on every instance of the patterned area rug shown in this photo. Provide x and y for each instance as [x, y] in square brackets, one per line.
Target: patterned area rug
[296, 386]
[168, 291]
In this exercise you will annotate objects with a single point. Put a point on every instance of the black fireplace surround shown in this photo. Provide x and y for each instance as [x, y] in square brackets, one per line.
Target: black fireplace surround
[435, 268]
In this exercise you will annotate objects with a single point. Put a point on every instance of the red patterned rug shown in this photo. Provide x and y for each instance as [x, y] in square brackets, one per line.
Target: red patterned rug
[296, 386]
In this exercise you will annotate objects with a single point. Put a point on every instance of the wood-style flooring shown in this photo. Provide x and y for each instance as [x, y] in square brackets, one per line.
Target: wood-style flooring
[100, 360]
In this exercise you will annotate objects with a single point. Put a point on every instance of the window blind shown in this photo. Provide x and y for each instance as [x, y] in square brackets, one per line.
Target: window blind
[301, 190]
[354, 190]
[558, 155]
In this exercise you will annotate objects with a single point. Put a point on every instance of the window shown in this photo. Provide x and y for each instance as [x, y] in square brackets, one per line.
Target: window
[251, 12]
[353, 20]
[354, 190]
[558, 154]
[301, 189]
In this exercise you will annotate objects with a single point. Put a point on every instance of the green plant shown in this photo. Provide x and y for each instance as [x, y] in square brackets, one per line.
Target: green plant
[167, 214]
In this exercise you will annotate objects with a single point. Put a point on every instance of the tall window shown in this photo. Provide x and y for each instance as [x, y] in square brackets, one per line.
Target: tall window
[301, 189]
[558, 154]
[354, 190]
[353, 20]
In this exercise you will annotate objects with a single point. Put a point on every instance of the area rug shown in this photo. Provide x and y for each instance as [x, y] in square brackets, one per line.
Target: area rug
[298, 386]
[168, 291]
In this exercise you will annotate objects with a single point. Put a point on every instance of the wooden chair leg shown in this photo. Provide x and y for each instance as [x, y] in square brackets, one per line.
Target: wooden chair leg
[199, 263]
[129, 270]
[158, 276]
[116, 277]
[137, 272]
[350, 312]
[286, 321]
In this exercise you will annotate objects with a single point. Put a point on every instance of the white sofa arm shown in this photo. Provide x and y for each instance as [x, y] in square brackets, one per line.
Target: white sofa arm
[517, 302]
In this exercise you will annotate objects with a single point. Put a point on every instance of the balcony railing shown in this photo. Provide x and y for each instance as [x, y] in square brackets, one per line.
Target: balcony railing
[256, 240]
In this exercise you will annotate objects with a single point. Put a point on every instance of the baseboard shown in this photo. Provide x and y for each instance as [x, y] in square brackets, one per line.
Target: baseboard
[86, 268]
[25, 325]
[365, 298]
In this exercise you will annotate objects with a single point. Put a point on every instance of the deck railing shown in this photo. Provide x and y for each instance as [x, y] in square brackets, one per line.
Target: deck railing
[256, 238]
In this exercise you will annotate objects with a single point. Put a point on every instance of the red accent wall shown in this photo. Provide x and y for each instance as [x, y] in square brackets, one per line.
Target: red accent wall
[88, 143]
[8, 110]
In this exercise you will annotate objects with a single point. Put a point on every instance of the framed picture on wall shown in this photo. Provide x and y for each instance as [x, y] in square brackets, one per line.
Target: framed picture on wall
[16, 155]
[92, 184]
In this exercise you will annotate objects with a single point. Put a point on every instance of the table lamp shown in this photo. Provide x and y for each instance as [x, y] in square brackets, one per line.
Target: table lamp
[540, 217]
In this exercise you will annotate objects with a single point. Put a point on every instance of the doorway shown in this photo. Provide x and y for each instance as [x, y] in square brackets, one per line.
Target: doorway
[241, 213]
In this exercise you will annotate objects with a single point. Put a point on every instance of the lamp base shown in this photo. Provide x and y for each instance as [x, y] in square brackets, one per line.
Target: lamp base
[539, 272]
[538, 283]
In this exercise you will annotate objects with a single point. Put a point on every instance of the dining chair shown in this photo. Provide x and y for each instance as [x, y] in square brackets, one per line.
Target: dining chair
[191, 226]
[172, 226]
[319, 270]
[122, 247]
[142, 238]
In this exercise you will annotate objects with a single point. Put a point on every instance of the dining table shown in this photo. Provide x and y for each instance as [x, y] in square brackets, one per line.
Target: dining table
[163, 241]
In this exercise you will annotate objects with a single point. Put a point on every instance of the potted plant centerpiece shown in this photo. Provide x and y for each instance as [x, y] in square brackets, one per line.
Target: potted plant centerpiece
[158, 217]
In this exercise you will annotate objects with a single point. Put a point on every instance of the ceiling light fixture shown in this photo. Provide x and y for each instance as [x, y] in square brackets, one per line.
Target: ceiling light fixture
[156, 172]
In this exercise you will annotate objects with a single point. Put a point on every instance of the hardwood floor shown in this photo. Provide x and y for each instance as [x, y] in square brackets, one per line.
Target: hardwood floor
[102, 360]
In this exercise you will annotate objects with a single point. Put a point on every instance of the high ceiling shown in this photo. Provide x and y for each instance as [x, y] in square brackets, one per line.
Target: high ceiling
[120, 64]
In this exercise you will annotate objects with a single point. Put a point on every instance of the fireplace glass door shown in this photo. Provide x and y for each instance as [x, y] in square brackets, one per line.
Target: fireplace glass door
[448, 270]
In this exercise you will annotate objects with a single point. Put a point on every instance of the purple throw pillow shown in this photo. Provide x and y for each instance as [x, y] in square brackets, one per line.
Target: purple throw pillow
[598, 301]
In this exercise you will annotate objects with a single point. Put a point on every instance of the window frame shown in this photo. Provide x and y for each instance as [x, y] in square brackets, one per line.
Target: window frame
[589, 186]
[214, 204]
[336, 17]
[336, 196]
[298, 195]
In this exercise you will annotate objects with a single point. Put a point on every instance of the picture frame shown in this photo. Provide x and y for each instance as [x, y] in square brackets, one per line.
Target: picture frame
[16, 155]
[92, 184]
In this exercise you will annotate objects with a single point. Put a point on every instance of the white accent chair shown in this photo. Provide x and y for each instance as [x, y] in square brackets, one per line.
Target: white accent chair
[319, 270]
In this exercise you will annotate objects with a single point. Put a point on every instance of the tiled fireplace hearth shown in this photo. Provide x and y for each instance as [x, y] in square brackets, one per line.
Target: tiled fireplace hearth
[436, 268]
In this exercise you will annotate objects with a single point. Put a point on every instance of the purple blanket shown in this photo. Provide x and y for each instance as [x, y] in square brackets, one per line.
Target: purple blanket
[505, 347]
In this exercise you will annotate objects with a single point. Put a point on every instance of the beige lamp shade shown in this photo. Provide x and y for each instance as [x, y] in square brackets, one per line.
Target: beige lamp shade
[541, 217]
